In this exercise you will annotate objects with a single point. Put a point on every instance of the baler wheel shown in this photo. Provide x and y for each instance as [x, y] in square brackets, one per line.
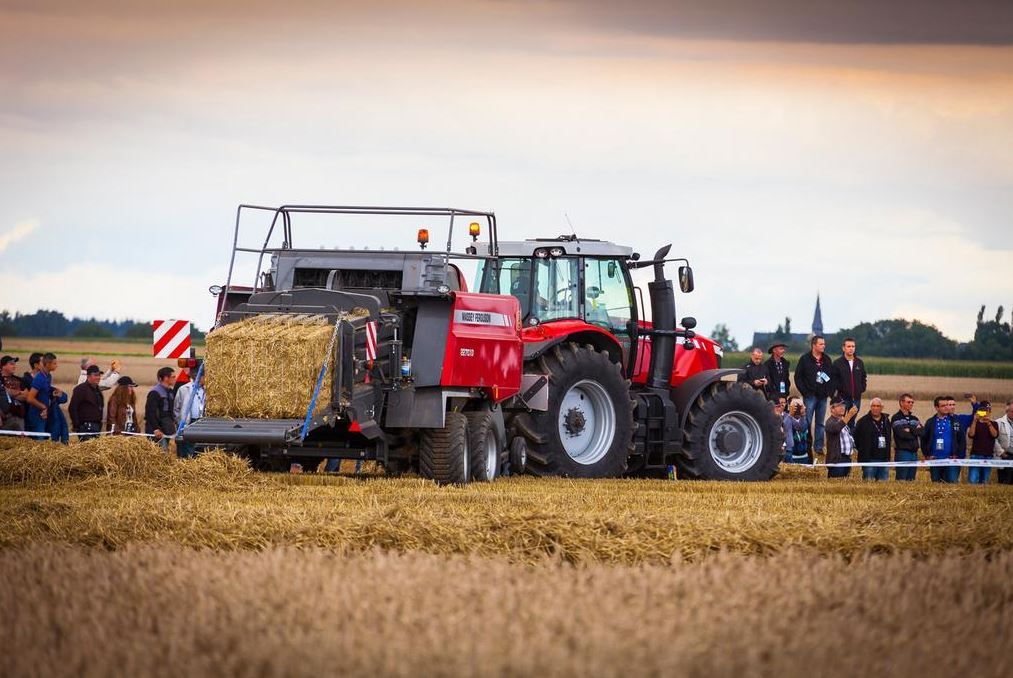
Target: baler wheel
[444, 452]
[484, 445]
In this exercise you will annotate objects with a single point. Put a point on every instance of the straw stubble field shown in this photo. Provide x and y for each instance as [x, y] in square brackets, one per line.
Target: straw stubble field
[118, 559]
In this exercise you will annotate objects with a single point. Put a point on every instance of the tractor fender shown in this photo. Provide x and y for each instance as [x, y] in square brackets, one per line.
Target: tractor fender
[685, 393]
[598, 338]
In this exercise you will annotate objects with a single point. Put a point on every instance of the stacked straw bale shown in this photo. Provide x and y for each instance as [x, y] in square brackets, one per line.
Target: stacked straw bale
[266, 366]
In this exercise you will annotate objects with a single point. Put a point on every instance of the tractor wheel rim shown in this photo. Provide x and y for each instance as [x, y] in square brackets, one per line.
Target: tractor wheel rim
[587, 422]
[735, 441]
[491, 456]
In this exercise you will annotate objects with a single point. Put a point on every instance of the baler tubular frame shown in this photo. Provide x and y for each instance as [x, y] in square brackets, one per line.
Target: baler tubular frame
[285, 212]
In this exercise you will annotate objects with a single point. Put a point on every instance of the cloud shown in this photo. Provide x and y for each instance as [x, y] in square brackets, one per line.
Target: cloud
[966, 22]
[19, 232]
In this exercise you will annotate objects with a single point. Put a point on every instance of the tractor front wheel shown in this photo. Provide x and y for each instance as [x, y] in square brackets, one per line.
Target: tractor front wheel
[731, 433]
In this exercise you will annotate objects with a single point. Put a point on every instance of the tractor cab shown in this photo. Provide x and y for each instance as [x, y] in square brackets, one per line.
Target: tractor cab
[564, 282]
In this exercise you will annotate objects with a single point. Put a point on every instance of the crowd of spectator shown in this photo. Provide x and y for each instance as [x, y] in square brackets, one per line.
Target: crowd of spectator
[824, 418]
[31, 403]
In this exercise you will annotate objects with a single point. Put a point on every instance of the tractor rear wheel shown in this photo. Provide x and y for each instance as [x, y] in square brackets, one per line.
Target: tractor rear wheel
[731, 433]
[444, 452]
[484, 445]
[587, 431]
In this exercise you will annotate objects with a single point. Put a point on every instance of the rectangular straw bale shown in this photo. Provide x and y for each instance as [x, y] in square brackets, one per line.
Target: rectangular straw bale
[266, 366]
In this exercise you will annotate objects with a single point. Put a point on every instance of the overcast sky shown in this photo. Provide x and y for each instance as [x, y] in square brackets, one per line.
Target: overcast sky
[859, 149]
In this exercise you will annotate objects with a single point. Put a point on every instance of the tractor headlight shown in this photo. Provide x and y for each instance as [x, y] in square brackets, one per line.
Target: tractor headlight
[557, 251]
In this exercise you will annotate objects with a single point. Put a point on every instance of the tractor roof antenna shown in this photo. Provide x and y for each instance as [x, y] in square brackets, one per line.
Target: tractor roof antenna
[572, 230]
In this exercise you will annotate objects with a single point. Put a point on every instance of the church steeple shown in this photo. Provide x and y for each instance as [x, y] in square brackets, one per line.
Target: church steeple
[818, 318]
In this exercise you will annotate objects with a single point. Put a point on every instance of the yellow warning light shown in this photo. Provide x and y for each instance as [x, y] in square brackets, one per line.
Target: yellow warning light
[423, 237]
[474, 230]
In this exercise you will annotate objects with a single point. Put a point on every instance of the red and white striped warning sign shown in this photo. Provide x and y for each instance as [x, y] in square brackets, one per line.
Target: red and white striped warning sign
[170, 338]
[370, 340]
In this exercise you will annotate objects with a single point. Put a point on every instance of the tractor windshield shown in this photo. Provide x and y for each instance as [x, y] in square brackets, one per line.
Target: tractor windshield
[547, 289]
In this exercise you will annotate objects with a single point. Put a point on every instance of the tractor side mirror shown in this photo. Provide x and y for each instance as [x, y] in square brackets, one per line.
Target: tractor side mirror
[689, 322]
[612, 269]
[686, 279]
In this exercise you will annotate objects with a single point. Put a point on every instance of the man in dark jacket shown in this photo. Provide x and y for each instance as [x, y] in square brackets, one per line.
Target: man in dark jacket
[158, 408]
[778, 372]
[755, 371]
[907, 434]
[815, 381]
[872, 438]
[944, 437]
[850, 379]
[87, 404]
[840, 443]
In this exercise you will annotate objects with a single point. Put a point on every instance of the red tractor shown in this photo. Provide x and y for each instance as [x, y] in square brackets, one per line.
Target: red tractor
[548, 366]
[606, 393]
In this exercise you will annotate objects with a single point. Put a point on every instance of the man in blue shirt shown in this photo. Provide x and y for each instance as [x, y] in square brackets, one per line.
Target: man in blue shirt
[40, 395]
[944, 437]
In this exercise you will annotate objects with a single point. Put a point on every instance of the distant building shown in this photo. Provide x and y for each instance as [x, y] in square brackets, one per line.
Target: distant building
[793, 339]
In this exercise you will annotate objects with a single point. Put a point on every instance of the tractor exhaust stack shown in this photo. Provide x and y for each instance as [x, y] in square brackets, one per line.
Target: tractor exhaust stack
[663, 320]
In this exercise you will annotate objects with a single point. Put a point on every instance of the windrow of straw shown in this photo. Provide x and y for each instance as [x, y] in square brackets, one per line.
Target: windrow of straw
[266, 366]
[117, 458]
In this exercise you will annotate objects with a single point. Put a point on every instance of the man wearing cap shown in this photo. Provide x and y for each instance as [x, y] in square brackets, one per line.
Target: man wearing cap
[12, 396]
[106, 382]
[754, 372]
[86, 405]
[840, 443]
[778, 372]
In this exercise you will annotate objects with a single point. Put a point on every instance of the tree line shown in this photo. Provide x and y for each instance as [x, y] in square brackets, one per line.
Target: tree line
[47, 323]
[899, 338]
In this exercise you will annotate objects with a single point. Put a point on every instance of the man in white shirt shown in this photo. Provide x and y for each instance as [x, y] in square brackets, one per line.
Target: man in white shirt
[1004, 443]
[110, 378]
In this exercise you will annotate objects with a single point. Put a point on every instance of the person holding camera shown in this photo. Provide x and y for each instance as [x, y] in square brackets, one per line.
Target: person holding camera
[981, 435]
[907, 434]
[840, 443]
[801, 452]
[755, 372]
[815, 381]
